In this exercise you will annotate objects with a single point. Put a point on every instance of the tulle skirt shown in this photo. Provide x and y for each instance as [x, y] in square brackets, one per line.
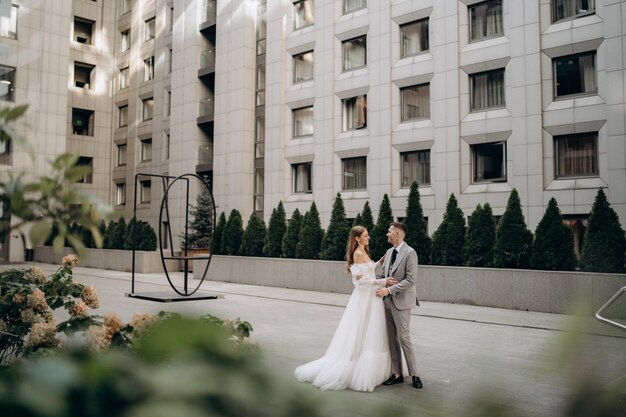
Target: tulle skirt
[358, 355]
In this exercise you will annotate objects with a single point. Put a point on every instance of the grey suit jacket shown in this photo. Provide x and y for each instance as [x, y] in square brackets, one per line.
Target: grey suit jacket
[404, 270]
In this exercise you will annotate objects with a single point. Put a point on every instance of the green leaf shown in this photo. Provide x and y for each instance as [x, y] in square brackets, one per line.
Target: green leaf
[59, 242]
[39, 232]
[76, 243]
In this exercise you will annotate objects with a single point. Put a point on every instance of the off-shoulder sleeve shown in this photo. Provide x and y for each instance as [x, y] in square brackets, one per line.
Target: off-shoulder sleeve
[360, 269]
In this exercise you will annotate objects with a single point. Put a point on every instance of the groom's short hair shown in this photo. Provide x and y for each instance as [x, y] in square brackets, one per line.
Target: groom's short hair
[400, 226]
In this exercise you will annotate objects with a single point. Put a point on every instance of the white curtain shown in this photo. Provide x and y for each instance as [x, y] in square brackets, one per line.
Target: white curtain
[486, 19]
[415, 167]
[569, 8]
[303, 67]
[303, 121]
[354, 53]
[302, 181]
[416, 102]
[415, 37]
[354, 173]
[350, 5]
[488, 90]
[577, 155]
[587, 73]
[303, 13]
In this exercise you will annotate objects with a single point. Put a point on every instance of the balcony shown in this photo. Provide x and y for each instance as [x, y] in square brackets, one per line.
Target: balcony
[205, 158]
[208, 16]
[207, 62]
[205, 110]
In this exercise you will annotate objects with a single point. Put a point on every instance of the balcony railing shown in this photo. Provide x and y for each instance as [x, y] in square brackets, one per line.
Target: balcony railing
[208, 12]
[207, 59]
[206, 107]
[205, 154]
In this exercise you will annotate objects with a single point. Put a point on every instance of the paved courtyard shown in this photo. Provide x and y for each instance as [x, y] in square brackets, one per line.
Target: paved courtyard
[530, 360]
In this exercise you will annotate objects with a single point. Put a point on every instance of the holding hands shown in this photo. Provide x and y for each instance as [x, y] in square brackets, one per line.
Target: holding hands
[383, 292]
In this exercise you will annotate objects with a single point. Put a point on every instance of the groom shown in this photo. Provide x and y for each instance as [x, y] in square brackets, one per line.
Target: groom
[400, 263]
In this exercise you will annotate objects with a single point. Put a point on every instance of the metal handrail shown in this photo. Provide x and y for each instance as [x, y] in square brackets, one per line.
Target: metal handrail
[607, 305]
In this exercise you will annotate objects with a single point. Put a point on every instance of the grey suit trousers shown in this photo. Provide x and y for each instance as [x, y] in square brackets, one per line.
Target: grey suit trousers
[399, 336]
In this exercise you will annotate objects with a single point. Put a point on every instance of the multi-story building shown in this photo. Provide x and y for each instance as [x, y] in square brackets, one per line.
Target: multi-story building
[296, 100]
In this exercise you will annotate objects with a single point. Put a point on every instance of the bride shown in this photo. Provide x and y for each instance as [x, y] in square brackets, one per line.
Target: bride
[358, 355]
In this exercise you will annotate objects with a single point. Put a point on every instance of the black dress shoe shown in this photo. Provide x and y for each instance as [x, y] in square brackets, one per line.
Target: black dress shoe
[393, 380]
[417, 382]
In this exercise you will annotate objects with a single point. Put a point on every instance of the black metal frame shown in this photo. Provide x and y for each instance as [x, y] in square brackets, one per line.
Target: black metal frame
[185, 294]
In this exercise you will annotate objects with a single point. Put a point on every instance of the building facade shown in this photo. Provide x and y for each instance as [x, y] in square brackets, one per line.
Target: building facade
[296, 100]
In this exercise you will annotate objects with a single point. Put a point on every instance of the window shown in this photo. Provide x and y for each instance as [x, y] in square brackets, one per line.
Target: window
[302, 178]
[150, 29]
[86, 162]
[125, 40]
[170, 18]
[303, 121]
[354, 173]
[123, 116]
[260, 85]
[487, 90]
[145, 191]
[575, 74]
[83, 31]
[125, 6]
[489, 160]
[83, 75]
[120, 194]
[486, 20]
[302, 14]
[303, 67]
[124, 78]
[168, 61]
[414, 37]
[261, 31]
[82, 122]
[350, 6]
[148, 105]
[8, 25]
[354, 53]
[121, 154]
[565, 9]
[355, 113]
[259, 184]
[576, 155]
[7, 83]
[5, 149]
[415, 167]
[259, 135]
[146, 150]
[167, 146]
[415, 102]
[168, 103]
[148, 69]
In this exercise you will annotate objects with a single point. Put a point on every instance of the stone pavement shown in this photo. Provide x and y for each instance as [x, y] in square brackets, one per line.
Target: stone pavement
[461, 350]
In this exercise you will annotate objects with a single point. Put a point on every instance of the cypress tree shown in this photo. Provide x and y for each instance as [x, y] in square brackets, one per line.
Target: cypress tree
[336, 237]
[513, 239]
[133, 235]
[378, 234]
[449, 239]
[358, 220]
[275, 232]
[108, 234]
[218, 235]
[201, 225]
[481, 234]
[253, 237]
[367, 219]
[416, 236]
[119, 234]
[290, 239]
[311, 234]
[553, 247]
[233, 234]
[604, 243]
[102, 227]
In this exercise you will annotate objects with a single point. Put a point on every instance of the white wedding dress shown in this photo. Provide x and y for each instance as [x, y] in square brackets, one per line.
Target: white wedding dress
[358, 355]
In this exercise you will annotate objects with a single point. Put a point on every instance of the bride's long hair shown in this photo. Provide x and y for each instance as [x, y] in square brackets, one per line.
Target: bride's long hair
[355, 232]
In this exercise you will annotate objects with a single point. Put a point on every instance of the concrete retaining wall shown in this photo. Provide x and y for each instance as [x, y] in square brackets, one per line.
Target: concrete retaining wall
[551, 292]
[115, 259]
